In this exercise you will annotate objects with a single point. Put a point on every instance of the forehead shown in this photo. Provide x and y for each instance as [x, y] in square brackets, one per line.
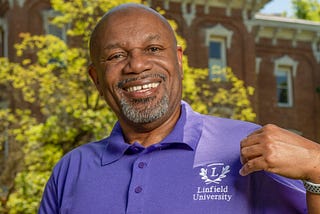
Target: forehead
[134, 23]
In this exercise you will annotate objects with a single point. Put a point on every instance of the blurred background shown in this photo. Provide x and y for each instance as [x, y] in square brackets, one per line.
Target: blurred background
[256, 60]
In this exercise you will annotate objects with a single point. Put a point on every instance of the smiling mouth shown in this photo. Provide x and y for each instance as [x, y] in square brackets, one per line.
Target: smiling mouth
[141, 84]
[142, 88]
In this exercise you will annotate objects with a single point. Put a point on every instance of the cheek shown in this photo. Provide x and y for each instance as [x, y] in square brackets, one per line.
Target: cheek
[108, 85]
[175, 83]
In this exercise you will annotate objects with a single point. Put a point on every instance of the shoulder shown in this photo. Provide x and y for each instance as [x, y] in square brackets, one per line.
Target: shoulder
[72, 161]
[65, 173]
[218, 125]
[220, 140]
[87, 150]
[231, 126]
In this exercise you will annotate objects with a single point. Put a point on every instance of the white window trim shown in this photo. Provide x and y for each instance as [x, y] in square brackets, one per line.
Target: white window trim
[292, 65]
[258, 63]
[219, 31]
[47, 14]
[286, 61]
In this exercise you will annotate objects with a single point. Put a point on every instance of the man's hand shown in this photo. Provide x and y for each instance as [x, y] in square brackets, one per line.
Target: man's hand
[280, 151]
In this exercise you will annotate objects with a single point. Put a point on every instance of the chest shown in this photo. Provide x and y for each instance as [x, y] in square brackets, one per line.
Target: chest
[165, 181]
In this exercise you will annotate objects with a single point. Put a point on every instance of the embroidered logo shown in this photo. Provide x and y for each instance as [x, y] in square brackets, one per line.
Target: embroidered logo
[214, 173]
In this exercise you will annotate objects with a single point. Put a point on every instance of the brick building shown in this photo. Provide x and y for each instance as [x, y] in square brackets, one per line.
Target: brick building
[279, 57]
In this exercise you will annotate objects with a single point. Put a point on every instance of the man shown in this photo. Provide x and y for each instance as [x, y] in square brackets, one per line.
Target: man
[162, 157]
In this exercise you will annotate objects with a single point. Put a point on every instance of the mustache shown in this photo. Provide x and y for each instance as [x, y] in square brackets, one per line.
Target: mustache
[121, 83]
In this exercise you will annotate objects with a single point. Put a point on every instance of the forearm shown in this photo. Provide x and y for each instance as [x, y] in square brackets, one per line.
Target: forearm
[313, 201]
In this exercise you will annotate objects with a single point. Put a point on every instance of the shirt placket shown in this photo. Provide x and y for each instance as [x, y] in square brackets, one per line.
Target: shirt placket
[138, 185]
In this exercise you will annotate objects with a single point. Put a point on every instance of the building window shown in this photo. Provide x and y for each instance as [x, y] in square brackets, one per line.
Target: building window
[52, 29]
[218, 40]
[1, 42]
[284, 86]
[217, 57]
[3, 39]
[285, 70]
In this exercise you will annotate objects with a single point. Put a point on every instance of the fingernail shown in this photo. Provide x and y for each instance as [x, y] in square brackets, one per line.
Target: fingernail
[241, 172]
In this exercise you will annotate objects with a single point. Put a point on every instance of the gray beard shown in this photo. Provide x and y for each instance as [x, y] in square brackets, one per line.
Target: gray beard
[148, 114]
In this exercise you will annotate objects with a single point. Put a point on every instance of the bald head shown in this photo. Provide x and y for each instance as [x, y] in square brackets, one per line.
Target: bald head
[126, 11]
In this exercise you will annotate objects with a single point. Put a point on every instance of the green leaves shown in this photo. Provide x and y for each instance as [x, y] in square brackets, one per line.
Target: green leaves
[82, 15]
[307, 9]
[56, 109]
[227, 97]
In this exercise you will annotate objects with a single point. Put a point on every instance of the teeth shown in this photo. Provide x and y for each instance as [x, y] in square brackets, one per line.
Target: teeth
[142, 87]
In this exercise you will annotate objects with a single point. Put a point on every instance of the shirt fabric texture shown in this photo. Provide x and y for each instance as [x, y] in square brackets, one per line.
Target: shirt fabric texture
[195, 169]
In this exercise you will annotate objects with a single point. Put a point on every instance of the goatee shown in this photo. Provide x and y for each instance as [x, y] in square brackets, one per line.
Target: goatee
[149, 113]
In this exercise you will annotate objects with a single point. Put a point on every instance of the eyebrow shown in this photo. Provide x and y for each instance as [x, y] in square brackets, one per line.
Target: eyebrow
[112, 46]
[149, 38]
[153, 37]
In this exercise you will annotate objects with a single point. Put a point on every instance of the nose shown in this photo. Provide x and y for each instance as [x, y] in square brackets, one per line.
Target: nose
[137, 62]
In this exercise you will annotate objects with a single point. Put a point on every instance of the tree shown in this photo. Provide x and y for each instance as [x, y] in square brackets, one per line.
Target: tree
[307, 9]
[59, 108]
[55, 108]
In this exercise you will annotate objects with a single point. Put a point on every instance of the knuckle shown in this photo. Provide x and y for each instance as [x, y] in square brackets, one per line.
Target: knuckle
[269, 126]
[270, 158]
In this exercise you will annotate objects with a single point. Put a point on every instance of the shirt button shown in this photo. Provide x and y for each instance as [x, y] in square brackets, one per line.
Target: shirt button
[136, 149]
[138, 189]
[141, 165]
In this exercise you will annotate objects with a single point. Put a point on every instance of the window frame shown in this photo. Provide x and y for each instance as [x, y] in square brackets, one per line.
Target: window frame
[47, 16]
[279, 72]
[220, 34]
[220, 62]
[3, 38]
[286, 65]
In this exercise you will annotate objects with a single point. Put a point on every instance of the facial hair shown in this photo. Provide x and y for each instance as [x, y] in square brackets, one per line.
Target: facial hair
[151, 112]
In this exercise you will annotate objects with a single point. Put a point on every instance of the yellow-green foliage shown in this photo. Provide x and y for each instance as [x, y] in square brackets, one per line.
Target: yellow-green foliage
[83, 14]
[65, 111]
[227, 98]
[307, 9]
[232, 98]
[58, 107]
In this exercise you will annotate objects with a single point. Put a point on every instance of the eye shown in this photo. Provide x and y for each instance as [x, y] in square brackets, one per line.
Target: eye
[117, 56]
[154, 49]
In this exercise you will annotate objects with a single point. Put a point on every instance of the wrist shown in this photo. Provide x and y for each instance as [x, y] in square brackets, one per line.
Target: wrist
[312, 187]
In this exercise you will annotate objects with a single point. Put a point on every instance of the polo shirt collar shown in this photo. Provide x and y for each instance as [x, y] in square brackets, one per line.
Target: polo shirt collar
[185, 135]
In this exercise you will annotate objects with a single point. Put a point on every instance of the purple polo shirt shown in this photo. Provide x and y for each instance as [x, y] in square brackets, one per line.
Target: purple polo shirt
[195, 169]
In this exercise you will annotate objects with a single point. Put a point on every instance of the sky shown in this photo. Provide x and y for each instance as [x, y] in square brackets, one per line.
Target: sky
[278, 6]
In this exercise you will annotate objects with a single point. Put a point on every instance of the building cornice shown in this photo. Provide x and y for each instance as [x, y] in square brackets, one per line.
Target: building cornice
[283, 28]
[189, 7]
[253, 5]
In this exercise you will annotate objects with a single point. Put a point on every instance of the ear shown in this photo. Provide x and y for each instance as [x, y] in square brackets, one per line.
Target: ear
[180, 57]
[93, 73]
